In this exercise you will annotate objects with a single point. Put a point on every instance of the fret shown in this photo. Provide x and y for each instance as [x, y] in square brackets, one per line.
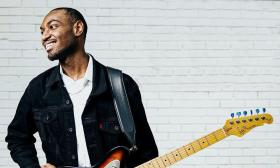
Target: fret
[150, 164]
[224, 132]
[203, 142]
[160, 162]
[171, 158]
[211, 138]
[189, 149]
[155, 163]
[196, 146]
[216, 137]
[165, 160]
[144, 166]
[219, 134]
[177, 155]
[182, 151]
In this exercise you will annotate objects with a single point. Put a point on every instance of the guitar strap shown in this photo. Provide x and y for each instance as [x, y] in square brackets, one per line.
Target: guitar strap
[122, 107]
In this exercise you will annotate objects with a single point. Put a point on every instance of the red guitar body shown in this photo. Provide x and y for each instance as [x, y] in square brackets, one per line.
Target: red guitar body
[114, 159]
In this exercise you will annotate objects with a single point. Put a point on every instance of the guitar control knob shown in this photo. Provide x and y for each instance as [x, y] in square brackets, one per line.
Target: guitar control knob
[257, 111]
[245, 113]
[264, 110]
[238, 114]
[232, 116]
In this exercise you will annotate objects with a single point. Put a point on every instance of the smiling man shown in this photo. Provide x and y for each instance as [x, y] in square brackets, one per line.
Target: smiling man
[71, 105]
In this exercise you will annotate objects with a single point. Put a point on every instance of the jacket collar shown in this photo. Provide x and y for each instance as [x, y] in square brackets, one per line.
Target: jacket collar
[99, 84]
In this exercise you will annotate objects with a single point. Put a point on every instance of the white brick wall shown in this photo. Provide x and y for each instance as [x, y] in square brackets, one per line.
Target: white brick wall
[195, 61]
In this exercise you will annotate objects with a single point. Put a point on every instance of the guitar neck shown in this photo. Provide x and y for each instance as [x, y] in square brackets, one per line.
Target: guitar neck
[185, 151]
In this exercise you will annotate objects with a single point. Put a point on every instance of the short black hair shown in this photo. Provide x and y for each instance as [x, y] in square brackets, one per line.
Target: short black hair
[75, 15]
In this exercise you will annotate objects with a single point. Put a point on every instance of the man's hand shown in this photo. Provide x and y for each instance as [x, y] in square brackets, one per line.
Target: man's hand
[47, 165]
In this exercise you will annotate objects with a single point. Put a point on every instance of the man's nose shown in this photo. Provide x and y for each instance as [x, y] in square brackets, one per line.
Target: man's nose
[45, 35]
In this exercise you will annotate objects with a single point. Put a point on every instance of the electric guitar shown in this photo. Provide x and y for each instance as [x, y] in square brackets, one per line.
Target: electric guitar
[237, 126]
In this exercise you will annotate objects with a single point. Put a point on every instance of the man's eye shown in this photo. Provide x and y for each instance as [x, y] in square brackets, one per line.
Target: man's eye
[53, 26]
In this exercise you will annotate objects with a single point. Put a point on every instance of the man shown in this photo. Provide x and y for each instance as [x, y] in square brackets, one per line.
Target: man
[71, 106]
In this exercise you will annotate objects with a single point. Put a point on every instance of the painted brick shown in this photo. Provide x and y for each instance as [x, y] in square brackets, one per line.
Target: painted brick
[195, 62]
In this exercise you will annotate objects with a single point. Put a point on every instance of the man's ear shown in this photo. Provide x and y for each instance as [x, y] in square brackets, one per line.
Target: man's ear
[78, 28]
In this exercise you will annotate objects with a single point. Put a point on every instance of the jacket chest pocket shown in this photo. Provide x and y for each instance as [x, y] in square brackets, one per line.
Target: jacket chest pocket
[111, 133]
[46, 120]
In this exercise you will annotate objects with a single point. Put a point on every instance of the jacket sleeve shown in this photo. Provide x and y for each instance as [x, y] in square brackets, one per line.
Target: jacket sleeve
[20, 137]
[145, 142]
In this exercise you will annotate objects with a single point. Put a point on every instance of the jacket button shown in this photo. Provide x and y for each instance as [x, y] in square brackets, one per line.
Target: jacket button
[67, 101]
[48, 118]
[73, 157]
[116, 127]
[70, 129]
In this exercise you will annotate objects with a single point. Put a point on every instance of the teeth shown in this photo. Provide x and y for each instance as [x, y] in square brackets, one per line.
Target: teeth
[49, 46]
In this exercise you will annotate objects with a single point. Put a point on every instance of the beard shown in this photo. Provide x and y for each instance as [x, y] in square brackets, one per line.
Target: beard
[65, 52]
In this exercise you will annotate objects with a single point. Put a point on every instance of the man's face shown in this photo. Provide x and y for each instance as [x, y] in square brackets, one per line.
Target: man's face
[57, 35]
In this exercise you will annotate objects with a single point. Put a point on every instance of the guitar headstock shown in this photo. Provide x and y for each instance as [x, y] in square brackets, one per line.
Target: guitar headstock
[239, 126]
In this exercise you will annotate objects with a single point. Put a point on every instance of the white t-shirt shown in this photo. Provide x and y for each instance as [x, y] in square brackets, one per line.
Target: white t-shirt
[79, 92]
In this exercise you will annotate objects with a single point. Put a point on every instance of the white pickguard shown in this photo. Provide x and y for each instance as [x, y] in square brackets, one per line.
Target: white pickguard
[113, 164]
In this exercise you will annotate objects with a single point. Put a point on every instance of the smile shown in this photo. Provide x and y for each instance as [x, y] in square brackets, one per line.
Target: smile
[49, 45]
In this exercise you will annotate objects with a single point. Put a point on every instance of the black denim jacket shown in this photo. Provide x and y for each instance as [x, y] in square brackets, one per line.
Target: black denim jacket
[46, 107]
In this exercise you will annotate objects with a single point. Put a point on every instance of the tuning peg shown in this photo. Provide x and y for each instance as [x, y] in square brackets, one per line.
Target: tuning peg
[251, 111]
[257, 111]
[264, 110]
[238, 114]
[232, 115]
[245, 113]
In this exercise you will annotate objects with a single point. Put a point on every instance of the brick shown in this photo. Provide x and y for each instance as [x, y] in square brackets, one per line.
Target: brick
[21, 36]
[15, 95]
[122, 12]
[7, 104]
[86, 3]
[168, 128]
[4, 95]
[4, 62]
[33, 3]
[4, 28]
[7, 3]
[244, 160]
[31, 19]
[54, 4]
[34, 53]
[22, 28]
[10, 19]
[16, 11]
[41, 11]
[122, 45]
[158, 120]
[158, 103]
[269, 95]
[195, 103]
[98, 12]
[144, 4]
[182, 95]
